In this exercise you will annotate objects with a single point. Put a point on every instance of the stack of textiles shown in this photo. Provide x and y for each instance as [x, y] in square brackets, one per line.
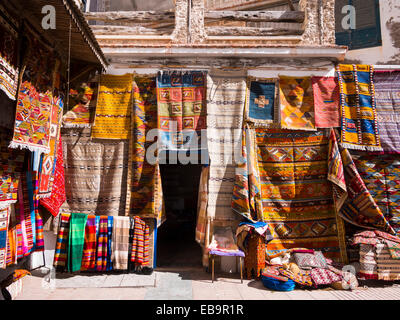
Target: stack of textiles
[308, 269]
[102, 243]
[379, 255]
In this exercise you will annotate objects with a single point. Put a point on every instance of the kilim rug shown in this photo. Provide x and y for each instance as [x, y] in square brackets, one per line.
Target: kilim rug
[8, 58]
[61, 250]
[326, 101]
[11, 257]
[353, 200]
[226, 92]
[79, 115]
[120, 243]
[48, 161]
[102, 244]
[388, 268]
[95, 173]
[145, 193]
[57, 198]
[296, 103]
[114, 106]
[4, 218]
[140, 243]
[89, 246]
[262, 102]
[357, 107]
[294, 193]
[387, 99]
[381, 176]
[11, 162]
[181, 100]
[76, 240]
[368, 265]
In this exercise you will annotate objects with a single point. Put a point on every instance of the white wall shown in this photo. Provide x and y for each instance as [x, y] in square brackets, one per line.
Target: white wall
[389, 52]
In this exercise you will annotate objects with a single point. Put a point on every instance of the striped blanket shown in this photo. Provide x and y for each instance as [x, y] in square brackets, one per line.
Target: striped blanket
[4, 219]
[76, 241]
[388, 268]
[102, 244]
[61, 250]
[140, 243]
[89, 246]
[120, 243]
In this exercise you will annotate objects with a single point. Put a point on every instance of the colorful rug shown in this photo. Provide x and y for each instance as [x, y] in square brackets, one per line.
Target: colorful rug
[11, 256]
[262, 102]
[353, 201]
[79, 115]
[357, 108]
[387, 99]
[140, 243]
[296, 103]
[102, 244]
[388, 268]
[144, 195]
[89, 246]
[120, 243]
[76, 240]
[48, 161]
[293, 194]
[33, 119]
[57, 198]
[61, 250]
[326, 101]
[39, 243]
[110, 227]
[95, 173]
[8, 59]
[226, 93]
[29, 210]
[181, 103]
[114, 106]
[4, 219]
[11, 162]
[381, 176]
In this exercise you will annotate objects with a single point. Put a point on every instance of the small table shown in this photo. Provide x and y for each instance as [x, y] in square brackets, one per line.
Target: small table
[238, 253]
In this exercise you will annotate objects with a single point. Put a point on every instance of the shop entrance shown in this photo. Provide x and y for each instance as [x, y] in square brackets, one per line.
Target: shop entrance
[176, 244]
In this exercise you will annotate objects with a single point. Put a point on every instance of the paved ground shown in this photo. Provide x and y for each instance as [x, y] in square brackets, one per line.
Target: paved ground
[195, 284]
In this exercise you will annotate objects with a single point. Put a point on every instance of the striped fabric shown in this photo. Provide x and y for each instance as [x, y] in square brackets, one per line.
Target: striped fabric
[140, 244]
[110, 223]
[89, 247]
[11, 257]
[368, 265]
[4, 218]
[61, 251]
[76, 241]
[388, 268]
[120, 243]
[102, 244]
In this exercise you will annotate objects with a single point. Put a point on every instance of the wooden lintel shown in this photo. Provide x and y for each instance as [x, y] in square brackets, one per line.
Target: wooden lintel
[257, 16]
[285, 29]
[132, 16]
[126, 30]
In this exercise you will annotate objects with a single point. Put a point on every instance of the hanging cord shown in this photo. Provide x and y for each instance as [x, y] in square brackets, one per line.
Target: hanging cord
[69, 62]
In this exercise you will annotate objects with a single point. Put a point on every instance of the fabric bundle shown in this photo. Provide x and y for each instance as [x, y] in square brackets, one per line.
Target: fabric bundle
[11, 256]
[114, 107]
[95, 174]
[262, 106]
[140, 243]
[61, 250]
[4, 218]
[145, 192]
[226, 92]
[79, 115]
[326, 101]
[387, 99]
[181, 101]
[296, 103]
[89, 246]
[102, 244]
[76, 241]
[358, 112]
[120, 243]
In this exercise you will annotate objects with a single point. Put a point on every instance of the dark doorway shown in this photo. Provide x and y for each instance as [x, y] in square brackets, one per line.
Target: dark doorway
[176, 244]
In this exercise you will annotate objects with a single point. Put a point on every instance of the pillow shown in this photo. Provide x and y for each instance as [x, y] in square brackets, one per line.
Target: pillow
[309, 260]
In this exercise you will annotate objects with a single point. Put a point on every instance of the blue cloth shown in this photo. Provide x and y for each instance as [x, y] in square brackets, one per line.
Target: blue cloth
[109, 266]
[262, 100]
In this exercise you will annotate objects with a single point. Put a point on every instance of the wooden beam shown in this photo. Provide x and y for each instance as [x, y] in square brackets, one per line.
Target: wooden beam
[124, 30]
[286, 29]
[291, 6]
[132, 16]
[257, 16]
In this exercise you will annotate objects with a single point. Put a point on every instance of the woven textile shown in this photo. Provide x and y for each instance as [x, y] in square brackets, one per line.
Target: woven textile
[357, 108]
[61, 250]
[102, 244]
[24, 222]
[110, 227]
[145, 194]
[307, 260]
[57, 198]
[4, 219]
[48, 161]
[324, 276]
[302, 278]
[29, 211]
[292, 192]
[381, 176]
[89, 246]
[262, 106]
[140, 243]
[254, 260]
[11, 162]
[114, 107]
[76, 241]
[79, 115]
[226, 92]
[181, 100]
[11, 256]
[201, 225]
[394, 249]
[120, 243]
[39, 241]
[95, 174]
[326, 101]
[296, 103]
[387, 99]
[8, 59]
[353, 201]
[388, 268]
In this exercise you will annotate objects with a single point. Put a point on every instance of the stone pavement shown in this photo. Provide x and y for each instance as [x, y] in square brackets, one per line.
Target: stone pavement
[193, 284]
